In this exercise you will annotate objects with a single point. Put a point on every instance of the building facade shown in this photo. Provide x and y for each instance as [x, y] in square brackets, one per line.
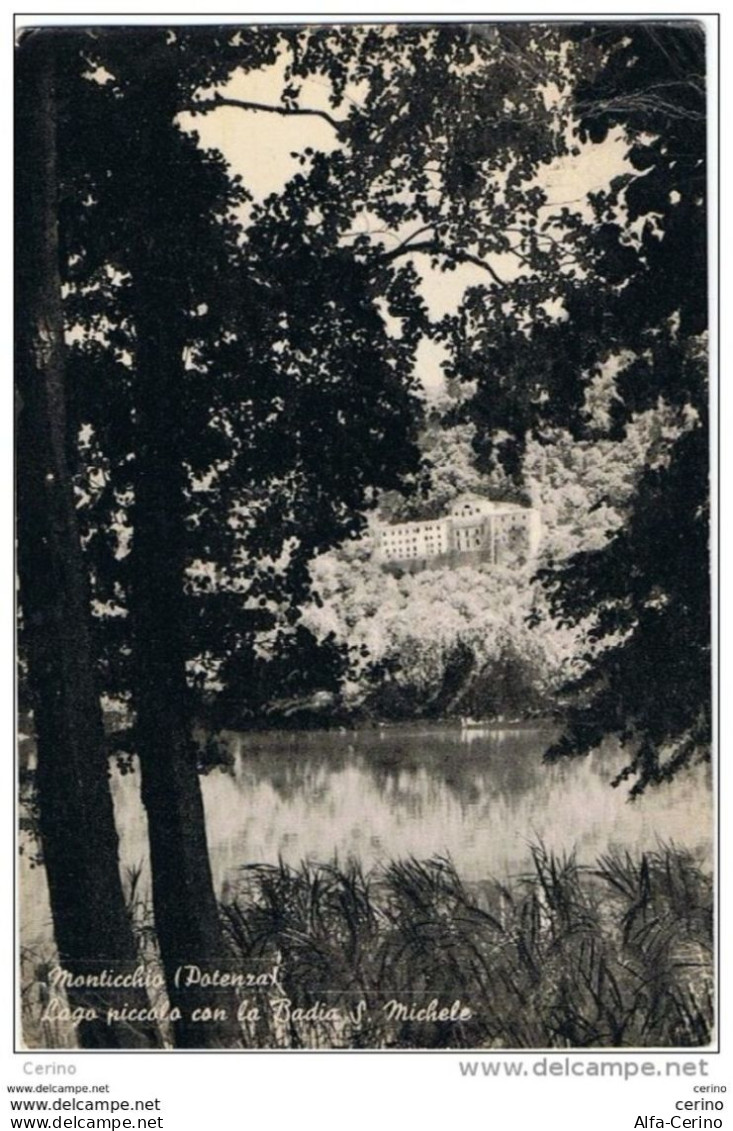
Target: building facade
[475, 530]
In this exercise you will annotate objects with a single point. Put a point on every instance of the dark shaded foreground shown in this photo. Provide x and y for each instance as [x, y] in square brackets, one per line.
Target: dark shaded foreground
[619, 954]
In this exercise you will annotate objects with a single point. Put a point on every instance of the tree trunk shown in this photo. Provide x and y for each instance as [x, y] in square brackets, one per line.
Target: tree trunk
[186, 913]
[79, 839]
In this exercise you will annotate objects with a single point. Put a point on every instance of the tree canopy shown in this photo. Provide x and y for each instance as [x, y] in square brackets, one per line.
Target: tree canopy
[650, 677]
[299, 331]
[296, 322]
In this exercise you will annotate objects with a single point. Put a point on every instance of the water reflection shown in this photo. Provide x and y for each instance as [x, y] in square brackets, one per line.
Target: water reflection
[482, 796]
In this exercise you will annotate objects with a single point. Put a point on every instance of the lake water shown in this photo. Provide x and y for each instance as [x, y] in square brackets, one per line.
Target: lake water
[483, 797]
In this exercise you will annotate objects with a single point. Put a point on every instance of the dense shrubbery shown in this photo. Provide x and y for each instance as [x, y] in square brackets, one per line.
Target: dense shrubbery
[435, 643]
[619, 954]
[614, 955]
[476, 640]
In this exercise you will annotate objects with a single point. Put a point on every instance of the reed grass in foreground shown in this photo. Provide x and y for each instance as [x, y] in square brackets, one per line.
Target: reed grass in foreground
[615, 955]
[566, 957]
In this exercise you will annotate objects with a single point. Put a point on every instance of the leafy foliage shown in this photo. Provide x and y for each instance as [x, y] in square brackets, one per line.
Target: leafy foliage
[652, 682]
[635, 299]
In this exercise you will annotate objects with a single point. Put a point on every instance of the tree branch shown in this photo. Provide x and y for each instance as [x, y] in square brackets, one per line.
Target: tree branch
[650, 101]
[205, 105]
[387, 232]
[432, 247]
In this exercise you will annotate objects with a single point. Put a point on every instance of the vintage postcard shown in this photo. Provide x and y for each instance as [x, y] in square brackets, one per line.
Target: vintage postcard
[364, 687]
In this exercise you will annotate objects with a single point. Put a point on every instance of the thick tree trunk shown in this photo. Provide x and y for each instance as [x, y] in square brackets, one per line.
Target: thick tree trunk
[186, 913]
[79, 839]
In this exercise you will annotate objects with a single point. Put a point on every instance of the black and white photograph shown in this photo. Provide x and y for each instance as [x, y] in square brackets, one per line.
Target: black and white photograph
[364, 690]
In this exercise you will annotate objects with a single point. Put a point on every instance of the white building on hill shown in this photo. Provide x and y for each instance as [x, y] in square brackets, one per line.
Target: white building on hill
[475, 530]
